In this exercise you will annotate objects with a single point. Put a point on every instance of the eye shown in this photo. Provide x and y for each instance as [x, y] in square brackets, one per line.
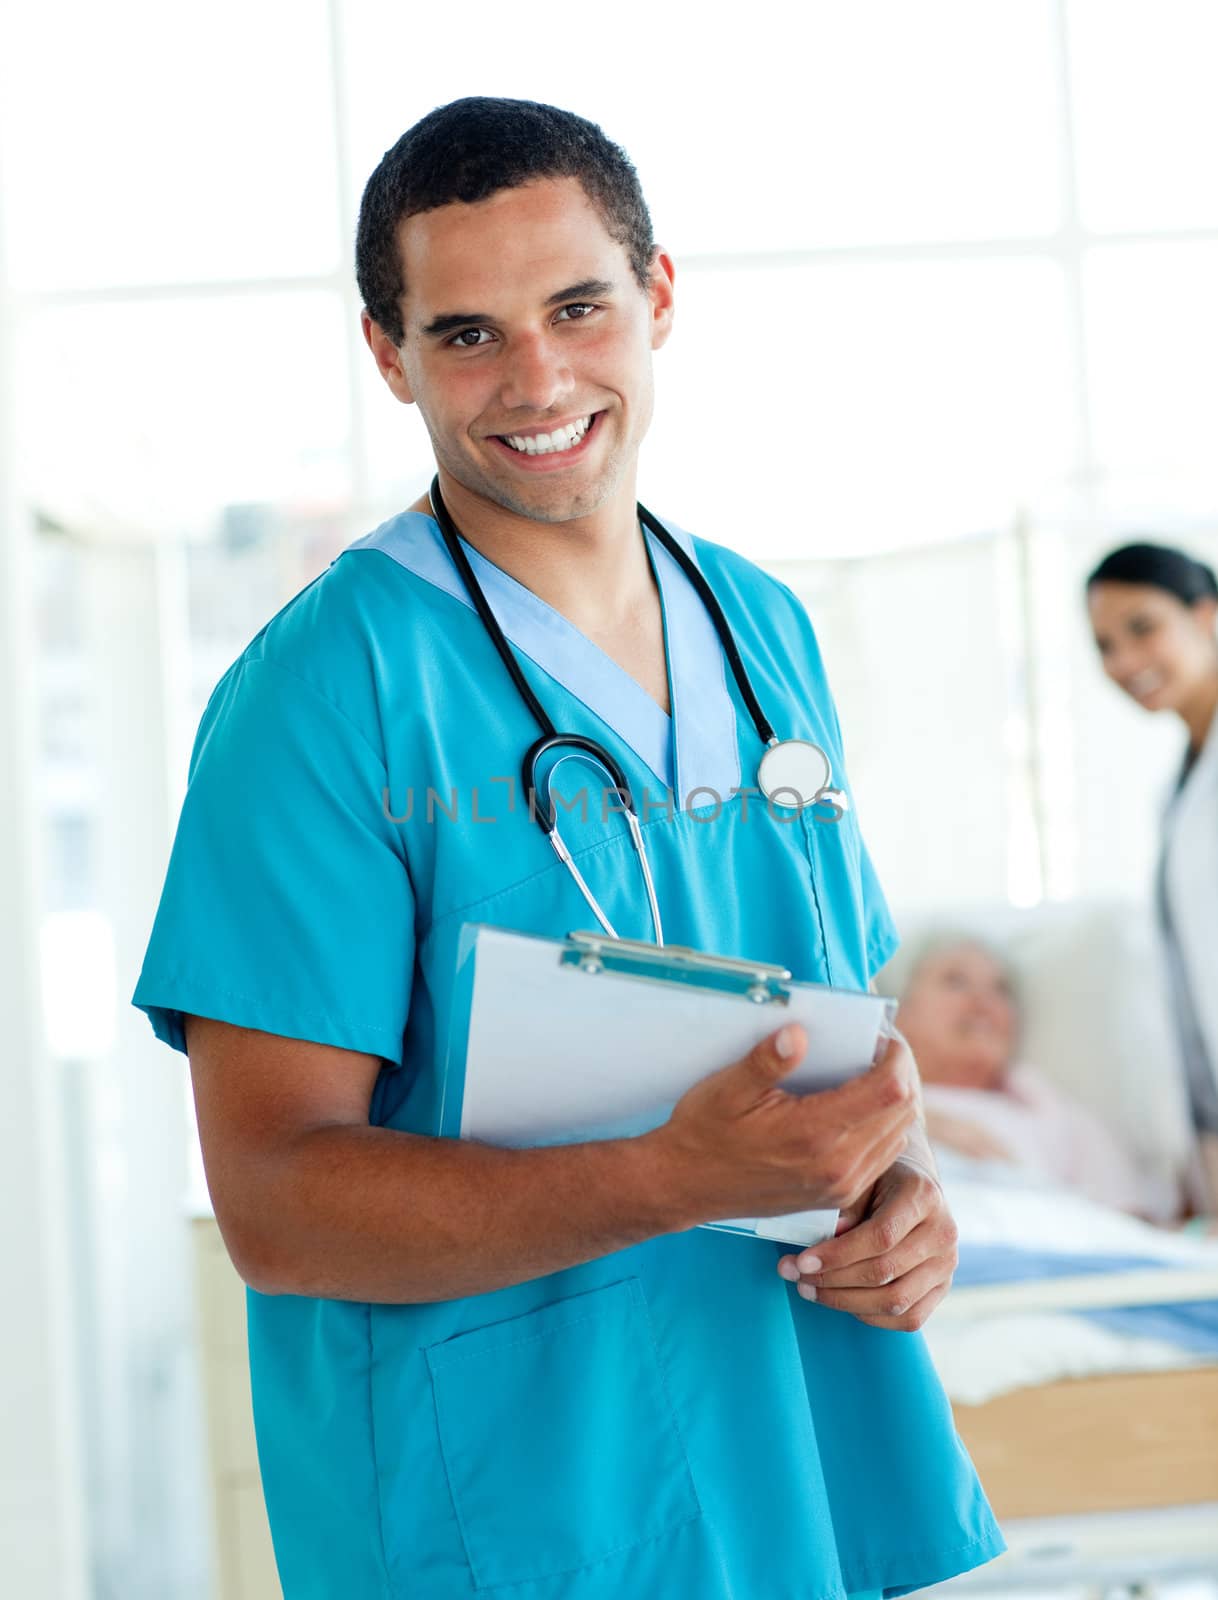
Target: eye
[470, 338]
[577, 312]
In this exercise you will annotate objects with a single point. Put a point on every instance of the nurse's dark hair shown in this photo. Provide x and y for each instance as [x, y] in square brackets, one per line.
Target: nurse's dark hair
[470, 149]
[1161, 566]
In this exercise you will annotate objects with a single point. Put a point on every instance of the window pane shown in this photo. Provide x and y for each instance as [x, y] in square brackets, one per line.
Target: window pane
[910, 764]
[1146, 115]
[1152, 326]
[149, 418]
[791, 126]
[832, 410]
[168, 143]
[233, 585]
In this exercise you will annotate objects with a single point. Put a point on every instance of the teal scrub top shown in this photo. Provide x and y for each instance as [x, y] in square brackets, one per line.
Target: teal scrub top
[671, 1419]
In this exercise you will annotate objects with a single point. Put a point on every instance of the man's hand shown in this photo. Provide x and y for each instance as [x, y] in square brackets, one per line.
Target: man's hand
[892, 1259]
[739, 1145]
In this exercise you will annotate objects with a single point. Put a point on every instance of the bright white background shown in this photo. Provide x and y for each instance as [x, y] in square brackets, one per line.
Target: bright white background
[947, 330]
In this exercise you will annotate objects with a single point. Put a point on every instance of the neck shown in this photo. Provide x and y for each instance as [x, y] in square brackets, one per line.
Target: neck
[1199, 712]
[592, 569]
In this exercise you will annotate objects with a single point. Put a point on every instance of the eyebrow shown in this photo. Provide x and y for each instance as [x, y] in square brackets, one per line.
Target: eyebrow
[588, 288]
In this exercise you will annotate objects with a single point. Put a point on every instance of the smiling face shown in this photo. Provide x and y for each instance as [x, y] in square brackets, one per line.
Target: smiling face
[1152, 645]
[958, 1015]
[527, 348]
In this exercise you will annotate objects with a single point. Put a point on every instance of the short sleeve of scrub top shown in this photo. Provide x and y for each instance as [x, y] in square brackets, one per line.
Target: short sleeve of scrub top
[670, 1419]
[287, 906]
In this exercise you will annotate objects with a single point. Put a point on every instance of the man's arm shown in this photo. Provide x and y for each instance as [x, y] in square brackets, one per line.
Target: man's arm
[313, 1200]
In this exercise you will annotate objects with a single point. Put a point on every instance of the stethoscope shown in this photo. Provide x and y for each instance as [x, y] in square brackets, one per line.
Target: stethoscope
[792, 773]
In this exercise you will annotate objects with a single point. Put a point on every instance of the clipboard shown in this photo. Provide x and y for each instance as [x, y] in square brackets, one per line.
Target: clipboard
[561, 1041]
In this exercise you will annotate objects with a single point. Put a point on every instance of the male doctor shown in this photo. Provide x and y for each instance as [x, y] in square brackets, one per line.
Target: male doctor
[531, 1371]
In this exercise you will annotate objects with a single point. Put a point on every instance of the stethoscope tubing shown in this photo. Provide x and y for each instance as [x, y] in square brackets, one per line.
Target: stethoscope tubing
[726, 637]
[706, 594]
[545, 813]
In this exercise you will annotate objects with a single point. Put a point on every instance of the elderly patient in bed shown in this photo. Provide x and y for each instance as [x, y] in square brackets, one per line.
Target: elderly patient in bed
[960, 1014]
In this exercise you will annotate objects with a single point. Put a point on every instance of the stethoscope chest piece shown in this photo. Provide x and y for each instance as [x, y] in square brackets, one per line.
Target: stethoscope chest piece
[794, 773]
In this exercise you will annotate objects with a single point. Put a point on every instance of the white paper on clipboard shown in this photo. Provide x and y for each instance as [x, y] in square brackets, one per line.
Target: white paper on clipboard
[594, 1038]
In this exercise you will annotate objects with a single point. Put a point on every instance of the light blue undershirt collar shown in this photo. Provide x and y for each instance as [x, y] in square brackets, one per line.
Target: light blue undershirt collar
[704, 721]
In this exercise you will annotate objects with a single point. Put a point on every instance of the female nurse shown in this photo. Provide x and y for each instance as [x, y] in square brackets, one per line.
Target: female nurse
[1153, 610]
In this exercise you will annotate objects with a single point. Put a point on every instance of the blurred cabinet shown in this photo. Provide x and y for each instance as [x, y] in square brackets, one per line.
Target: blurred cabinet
[244, 1562]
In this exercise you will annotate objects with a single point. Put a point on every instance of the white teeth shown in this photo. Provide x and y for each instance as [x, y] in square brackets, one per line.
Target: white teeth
[1146, 682]
[540, 444]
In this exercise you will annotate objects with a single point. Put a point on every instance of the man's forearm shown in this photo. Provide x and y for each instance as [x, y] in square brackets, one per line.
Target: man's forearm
[365, 1213]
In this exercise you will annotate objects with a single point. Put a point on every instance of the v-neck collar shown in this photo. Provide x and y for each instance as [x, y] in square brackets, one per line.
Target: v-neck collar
[694, 751]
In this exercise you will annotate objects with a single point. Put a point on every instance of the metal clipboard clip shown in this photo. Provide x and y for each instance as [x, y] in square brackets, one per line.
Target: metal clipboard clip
[755, 981]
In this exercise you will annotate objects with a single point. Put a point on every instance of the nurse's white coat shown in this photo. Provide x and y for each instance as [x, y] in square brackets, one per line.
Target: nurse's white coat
[1191, 839]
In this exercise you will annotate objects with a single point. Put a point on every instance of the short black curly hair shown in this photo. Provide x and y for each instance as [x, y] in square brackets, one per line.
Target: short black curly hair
[470, 149]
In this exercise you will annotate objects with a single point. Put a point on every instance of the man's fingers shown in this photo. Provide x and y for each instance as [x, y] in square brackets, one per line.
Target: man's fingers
[884, 1265]
[912, 1320]
[876, 1120]
[894, 1221]
[770, 1061]
[885, 1094]
[889, 1305]
[891, 1148]
[890, 1085]
[886, 1141]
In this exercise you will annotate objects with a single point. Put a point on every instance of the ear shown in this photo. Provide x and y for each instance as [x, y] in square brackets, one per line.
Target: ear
[1206, 611]
[660, 293]
[388, 358]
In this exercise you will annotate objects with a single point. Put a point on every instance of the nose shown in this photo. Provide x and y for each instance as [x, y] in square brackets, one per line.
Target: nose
[536, 375]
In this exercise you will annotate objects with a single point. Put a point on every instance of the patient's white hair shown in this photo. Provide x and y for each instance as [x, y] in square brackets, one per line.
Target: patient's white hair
[894, 979]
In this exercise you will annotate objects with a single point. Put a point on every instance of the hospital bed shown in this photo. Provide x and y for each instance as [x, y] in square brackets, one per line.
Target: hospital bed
[1080, 1347]
[1088, 1399]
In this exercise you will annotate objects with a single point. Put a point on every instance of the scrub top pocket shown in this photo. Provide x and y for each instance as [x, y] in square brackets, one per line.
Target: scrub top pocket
[558, 1437]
